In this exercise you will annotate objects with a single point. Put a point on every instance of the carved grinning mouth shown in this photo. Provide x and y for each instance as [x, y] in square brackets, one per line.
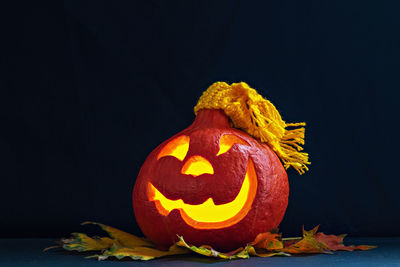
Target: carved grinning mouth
[207, 215]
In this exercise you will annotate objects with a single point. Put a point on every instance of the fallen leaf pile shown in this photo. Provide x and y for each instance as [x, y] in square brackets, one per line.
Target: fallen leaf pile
[121, 245]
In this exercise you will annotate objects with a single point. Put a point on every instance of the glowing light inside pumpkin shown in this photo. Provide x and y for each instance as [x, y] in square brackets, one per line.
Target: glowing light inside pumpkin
[208, 215]
[197, 165]
[227, 141]
[177, 148]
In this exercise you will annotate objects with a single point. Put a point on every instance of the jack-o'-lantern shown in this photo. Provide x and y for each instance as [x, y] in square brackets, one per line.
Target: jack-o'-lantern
[221, 181]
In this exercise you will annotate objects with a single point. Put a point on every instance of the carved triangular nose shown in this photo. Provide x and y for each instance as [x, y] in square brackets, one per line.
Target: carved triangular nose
[197, 165]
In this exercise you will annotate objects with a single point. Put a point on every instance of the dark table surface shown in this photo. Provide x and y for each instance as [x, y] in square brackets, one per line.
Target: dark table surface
[28, 252]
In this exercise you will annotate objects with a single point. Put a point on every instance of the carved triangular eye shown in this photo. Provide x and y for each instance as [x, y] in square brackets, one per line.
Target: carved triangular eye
[227, 141]
[177, 148]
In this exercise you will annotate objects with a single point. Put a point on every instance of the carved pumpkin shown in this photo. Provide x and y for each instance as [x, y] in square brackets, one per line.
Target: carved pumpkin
[212, 184]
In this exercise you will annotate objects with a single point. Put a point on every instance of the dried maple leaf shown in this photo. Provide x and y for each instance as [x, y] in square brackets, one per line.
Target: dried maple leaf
[124, 245]
[308, 244]
[268, 241]
[335, 243]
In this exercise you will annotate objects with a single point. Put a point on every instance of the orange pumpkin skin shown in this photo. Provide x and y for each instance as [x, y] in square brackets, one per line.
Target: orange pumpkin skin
[267, 208]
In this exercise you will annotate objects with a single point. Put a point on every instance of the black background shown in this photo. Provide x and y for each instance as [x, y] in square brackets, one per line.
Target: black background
[89, 88]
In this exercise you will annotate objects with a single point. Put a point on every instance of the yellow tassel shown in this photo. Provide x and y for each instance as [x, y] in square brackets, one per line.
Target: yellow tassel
[255, 115]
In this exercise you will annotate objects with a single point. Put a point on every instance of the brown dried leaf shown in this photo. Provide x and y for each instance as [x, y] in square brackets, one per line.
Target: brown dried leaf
[268, 241]
[335, 243]
[308, 244]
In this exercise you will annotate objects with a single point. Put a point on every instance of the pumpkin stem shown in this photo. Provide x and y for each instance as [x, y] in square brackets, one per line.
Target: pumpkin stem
[257, 116]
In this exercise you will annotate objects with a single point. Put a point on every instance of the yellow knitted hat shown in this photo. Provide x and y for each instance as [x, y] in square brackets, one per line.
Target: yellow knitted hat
[257, 116]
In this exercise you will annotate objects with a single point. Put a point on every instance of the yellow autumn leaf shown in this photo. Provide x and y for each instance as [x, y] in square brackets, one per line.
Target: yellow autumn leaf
[240, 253]
[124, 238]
[263, 252]
[203, 250]
[122, 245]
[82, 242]
[140, 253]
